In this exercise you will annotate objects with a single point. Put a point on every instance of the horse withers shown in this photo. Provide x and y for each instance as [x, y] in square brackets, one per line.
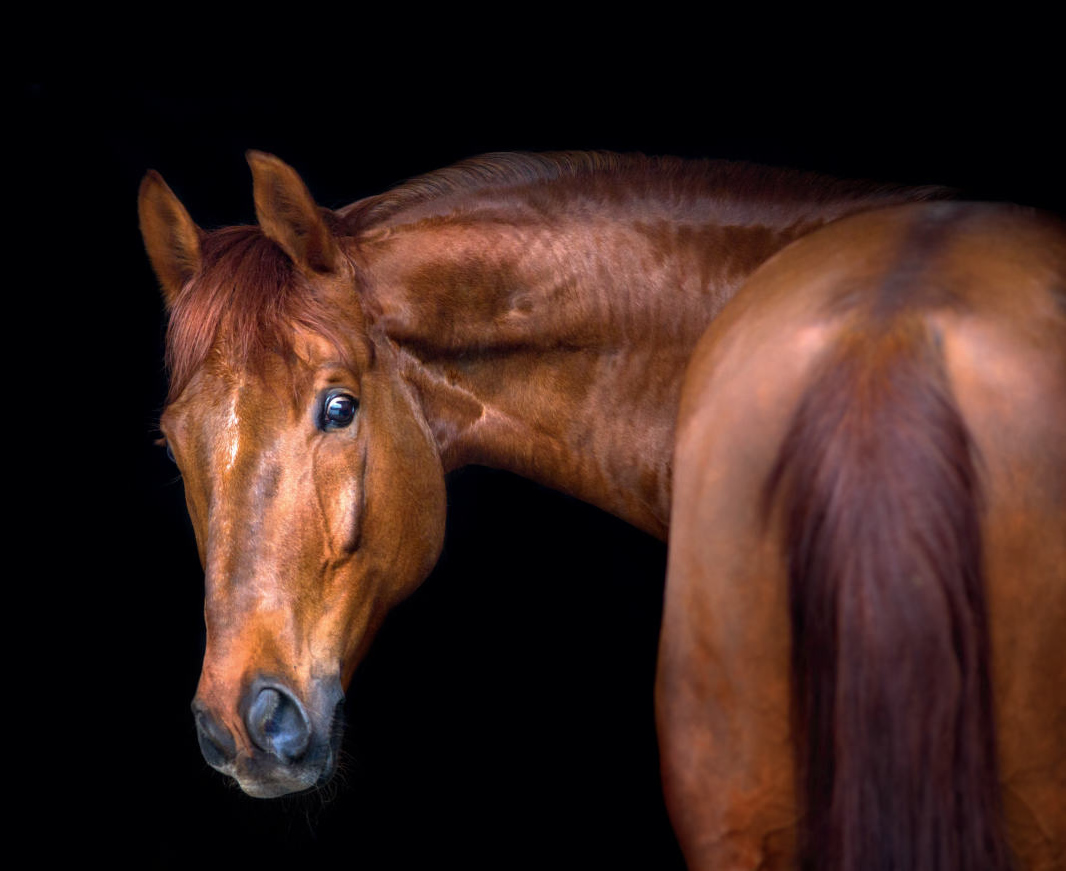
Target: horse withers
[538, 314]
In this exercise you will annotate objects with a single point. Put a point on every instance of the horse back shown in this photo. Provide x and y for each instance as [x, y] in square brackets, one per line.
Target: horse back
[870, 491]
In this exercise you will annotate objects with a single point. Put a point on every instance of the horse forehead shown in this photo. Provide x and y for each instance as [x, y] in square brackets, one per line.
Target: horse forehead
[225, 411]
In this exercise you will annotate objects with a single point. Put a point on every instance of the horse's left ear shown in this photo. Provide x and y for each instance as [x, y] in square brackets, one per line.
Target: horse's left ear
[289, 215]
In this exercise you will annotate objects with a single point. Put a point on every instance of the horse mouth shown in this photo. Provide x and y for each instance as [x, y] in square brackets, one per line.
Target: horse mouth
[285, 783]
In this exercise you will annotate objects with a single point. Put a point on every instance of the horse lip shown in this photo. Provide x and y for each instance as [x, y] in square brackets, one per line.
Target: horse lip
[268, 789]
[274, 780]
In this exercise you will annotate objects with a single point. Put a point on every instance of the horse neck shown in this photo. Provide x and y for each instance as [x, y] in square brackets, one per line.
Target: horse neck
[554, 345]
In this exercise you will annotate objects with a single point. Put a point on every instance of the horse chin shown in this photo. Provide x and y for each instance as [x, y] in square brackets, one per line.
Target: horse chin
[268, 779]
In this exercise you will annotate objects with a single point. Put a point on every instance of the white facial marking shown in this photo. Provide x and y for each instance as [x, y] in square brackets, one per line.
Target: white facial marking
[232, 432]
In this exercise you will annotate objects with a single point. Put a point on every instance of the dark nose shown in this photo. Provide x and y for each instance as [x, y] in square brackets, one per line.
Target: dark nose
[216, 742]
[277, 723]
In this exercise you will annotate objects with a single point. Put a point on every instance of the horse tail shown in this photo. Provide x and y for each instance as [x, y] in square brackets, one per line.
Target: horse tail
[878, 487]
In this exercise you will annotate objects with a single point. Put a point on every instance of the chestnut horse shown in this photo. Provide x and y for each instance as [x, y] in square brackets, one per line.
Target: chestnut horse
[883, 401]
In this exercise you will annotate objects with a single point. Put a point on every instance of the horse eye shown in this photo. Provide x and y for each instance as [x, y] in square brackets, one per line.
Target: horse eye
[170, 453]
[338, 410]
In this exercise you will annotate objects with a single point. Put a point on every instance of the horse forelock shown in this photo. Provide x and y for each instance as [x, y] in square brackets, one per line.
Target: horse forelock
[245, 305]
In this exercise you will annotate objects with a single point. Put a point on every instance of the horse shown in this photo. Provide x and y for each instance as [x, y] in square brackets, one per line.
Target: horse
[838, 402]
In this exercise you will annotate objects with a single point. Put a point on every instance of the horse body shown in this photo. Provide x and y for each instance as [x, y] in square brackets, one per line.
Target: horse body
[903, 372]
[533, 314]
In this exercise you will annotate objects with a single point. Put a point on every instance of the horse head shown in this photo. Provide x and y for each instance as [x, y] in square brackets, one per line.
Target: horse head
[313, 481]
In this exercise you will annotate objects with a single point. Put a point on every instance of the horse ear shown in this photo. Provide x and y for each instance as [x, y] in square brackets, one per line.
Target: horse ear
[289, 215]
[170, 236]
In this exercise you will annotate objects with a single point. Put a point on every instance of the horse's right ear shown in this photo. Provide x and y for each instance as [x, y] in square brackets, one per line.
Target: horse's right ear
[170, 236]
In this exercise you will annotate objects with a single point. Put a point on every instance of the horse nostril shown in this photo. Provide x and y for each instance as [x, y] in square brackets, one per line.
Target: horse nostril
[216, 742]
[277, 724]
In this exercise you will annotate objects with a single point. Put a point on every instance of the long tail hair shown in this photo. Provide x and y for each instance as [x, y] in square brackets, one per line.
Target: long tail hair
[878, 487]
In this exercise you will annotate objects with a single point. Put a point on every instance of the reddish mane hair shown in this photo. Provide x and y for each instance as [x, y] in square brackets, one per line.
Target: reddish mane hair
[246, 301]
[709, 186]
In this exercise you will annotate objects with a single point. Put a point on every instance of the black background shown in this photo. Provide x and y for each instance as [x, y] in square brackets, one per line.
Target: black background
[504, 718]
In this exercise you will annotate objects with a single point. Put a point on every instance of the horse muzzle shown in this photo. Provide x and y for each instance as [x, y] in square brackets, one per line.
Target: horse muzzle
[279, 745]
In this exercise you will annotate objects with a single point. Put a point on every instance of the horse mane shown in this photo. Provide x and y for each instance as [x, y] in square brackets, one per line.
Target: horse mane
[496, 170]
[715, 184]
[243, 304]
